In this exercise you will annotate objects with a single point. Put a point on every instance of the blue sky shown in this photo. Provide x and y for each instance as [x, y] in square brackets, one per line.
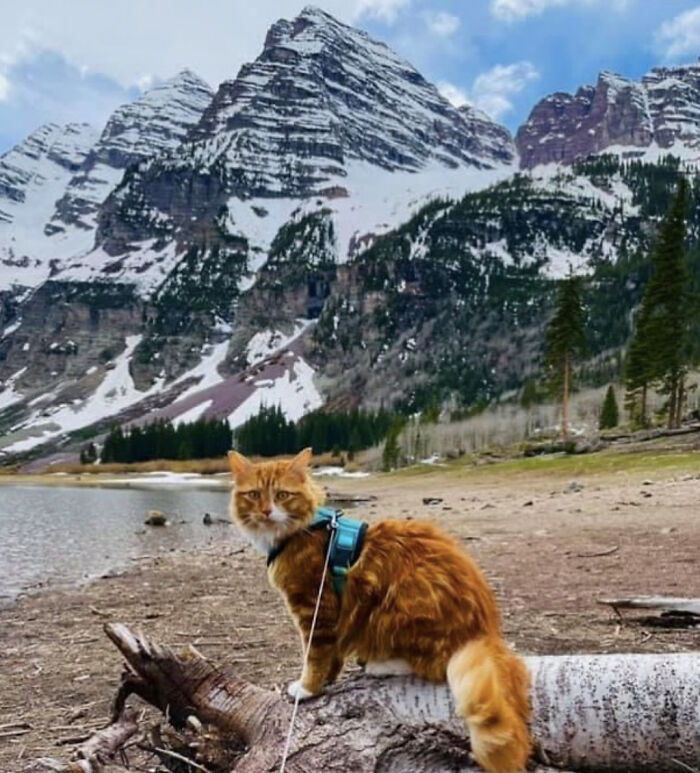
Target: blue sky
[78, 59]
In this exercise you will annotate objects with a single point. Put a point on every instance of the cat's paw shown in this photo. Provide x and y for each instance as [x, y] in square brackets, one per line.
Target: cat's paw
[295, 690]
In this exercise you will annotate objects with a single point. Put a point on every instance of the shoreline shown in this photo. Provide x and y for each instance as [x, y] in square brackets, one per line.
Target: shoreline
[543, 546]
[154, 480]
[219, 481]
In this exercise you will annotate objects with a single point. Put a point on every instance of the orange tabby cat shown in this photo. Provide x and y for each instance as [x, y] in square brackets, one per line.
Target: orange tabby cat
[414, 601]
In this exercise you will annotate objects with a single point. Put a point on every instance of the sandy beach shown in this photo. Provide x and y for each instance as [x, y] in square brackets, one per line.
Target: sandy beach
[553, 540]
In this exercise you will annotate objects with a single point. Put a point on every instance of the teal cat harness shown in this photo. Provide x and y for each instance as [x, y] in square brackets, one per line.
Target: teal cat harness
[347, 537]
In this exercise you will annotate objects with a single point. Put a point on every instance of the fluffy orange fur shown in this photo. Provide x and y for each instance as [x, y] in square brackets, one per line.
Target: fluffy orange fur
[414, 595]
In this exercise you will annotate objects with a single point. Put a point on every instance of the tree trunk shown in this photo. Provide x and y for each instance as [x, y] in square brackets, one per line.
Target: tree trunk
[643, 417]
[679, 401]
[673, 403]
[590, 713]
[565, 402]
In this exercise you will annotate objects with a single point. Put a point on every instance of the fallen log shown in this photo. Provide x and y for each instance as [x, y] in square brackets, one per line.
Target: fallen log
[663, 603]
[590, 713]
[675, 612]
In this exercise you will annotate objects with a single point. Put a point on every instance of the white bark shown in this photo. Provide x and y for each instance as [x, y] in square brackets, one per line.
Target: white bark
[618, 712]
[590, 713]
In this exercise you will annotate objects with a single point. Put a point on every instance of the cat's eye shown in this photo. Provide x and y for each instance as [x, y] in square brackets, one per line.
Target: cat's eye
[280, 496]
[252, 494]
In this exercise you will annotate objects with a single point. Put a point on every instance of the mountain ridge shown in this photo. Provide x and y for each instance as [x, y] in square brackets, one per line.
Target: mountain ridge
[323, 226]
[662, 109]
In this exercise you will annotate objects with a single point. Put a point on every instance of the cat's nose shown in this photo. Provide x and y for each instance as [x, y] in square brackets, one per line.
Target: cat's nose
[267, 511]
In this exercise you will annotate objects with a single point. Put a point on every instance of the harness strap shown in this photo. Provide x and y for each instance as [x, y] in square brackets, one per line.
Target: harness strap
[346, 541]
[315, 525]
[346, 545]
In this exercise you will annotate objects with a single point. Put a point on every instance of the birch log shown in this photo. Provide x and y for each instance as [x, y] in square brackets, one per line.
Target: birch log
[590, 713]
[661, 603]
[618, 712]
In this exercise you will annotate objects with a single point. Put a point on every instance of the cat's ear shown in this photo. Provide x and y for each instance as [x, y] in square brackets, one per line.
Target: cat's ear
[300, 463]
[239, 464]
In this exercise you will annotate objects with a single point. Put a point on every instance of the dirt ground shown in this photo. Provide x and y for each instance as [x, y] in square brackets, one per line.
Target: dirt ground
[538, 541]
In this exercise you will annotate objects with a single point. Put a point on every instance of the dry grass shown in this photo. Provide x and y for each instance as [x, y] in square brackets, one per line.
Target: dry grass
[200, 466]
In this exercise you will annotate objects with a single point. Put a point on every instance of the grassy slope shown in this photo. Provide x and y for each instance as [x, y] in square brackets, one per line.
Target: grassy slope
[562, 466]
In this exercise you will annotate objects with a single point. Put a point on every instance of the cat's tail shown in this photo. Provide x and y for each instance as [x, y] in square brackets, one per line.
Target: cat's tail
[490, 686]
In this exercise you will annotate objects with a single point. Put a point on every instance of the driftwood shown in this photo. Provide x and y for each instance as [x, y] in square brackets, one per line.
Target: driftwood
[101, 748]
[675, 612]
[590, 713]
[663, 603]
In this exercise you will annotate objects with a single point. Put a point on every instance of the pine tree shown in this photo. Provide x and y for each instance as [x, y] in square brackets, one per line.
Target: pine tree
[566, 342]
[639, 373]
[609, 414]
[391, 452]
[660, 350]
[528, 395]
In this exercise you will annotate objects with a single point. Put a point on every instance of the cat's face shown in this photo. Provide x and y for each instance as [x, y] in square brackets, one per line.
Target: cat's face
[271, 500]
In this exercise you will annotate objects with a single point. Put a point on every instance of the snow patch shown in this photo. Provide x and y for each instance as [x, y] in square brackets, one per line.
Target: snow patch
[338, 472]
[9, 396]
[193, 414]
[207, 371]
[115, 393]
[267, 342]
[294, 392]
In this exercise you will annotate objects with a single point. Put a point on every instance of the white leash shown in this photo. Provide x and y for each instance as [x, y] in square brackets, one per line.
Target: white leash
[290, 733]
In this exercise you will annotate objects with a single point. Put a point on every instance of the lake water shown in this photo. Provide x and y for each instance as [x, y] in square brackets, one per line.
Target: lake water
[62, 536]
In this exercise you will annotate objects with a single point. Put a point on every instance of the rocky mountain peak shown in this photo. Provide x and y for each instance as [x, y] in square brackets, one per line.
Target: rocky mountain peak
[50, 153]
[494, 139]
[33, 175]
[660, 110]
[320, 96]
[155, 123]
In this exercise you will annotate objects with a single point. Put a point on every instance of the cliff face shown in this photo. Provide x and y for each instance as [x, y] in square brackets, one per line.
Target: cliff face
[157, 122]
[326, 226]
[32, 176]
[662, 109]
[323, 105]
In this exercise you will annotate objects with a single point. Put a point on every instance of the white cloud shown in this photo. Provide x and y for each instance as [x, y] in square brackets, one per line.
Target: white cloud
[680, 36]
[38, 85]
[213, 38]
[441, 23]
[492, 90]
[144, 82]
[458, 97]
[385, 10]
[516, 10]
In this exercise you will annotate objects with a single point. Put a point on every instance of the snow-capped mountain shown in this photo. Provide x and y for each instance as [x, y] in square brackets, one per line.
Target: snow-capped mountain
[657, 113]
[326, 226]
[157, 122]
[32, 176]
[325, 117]
[322, 94]
[53, 183]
